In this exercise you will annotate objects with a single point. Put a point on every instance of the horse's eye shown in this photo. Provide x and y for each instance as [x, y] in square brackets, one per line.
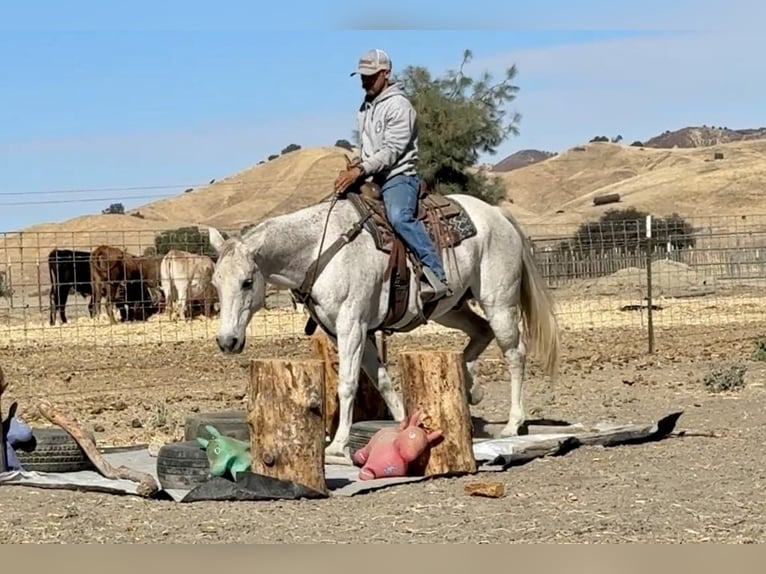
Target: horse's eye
[247, 284]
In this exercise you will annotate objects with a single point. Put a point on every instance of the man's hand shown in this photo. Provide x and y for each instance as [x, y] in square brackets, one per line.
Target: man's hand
[346, 178]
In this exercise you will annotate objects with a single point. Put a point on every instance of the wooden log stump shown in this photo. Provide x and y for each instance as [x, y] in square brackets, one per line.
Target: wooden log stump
[432, 382]
[368, 405]
[285, 414]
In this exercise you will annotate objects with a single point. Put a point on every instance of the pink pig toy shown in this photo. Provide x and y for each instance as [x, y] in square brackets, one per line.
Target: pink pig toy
[390, 450]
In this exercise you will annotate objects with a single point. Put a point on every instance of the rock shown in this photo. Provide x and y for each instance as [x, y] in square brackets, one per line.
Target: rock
[487, 489]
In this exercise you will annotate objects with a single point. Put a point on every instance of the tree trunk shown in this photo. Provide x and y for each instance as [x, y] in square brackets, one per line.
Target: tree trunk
[432, 382]
[368, 405]
[286, 418]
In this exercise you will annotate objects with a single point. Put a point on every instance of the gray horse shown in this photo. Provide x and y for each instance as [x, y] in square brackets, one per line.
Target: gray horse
[495, 267]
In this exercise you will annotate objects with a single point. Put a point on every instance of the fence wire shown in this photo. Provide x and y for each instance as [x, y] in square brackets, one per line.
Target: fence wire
[704, 271]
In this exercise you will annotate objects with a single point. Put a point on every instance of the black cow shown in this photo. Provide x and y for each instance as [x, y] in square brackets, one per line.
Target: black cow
[70, 271]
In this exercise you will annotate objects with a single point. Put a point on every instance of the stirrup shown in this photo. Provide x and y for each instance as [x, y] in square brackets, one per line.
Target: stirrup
[437, 288]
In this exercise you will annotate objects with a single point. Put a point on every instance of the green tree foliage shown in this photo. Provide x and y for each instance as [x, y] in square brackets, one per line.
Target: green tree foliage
[460, 117]
[345, 144]
[189, 239]
[289, 148]
[625, 229]
[117, 208]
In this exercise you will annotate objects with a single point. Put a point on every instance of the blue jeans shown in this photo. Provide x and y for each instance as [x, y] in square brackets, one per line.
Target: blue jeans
[400, 196]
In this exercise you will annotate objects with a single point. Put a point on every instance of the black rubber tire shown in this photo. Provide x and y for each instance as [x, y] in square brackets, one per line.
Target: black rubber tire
[362, 431]
[229, 423]
[54, 450]
[182, 465]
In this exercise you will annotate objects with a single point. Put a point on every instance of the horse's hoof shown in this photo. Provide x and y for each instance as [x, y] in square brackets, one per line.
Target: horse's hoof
[336, 452]
[476, 395]
[512, 429]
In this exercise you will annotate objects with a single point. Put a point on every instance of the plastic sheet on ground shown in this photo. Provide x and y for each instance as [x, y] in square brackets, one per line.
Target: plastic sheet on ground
[492, 454]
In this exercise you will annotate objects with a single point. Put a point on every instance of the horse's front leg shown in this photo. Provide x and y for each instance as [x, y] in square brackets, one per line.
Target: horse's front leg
[351, 342]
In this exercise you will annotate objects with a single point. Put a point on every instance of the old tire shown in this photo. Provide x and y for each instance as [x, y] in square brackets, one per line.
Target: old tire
[54, 450]
[182, 465]
[229, 423]
[362, 431]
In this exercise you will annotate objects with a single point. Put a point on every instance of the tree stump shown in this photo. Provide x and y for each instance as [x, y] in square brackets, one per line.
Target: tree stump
[286, 418]
[432, 382]
[368, 405]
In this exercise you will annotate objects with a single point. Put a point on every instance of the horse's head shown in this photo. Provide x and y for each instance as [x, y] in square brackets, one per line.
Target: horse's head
[241, 289]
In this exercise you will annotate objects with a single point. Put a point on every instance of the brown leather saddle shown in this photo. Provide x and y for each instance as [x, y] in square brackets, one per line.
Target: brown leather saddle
[445, 221]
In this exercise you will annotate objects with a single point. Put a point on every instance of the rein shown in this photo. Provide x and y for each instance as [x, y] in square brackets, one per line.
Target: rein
[302, 294]
[321, 242]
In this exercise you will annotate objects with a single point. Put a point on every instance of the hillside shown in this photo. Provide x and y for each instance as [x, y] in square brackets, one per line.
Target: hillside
[286, 183]
[552, 196]
[703, 136]
[560, 190]
[521, 158]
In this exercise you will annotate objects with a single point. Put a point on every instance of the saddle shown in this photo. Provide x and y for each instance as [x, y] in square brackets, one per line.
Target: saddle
[445, 221]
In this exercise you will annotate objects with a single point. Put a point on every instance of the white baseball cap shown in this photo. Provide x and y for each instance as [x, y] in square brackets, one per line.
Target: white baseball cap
[372, 62]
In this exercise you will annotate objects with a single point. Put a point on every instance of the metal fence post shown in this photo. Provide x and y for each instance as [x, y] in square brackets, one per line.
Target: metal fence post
[649, 314]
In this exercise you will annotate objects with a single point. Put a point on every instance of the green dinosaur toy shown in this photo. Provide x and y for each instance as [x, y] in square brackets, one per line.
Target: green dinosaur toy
[225, 453]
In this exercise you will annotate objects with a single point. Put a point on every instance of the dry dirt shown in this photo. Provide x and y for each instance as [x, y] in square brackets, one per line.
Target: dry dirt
[704, 486]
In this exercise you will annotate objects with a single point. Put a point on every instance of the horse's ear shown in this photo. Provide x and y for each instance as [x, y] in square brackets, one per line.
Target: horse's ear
[216, 239]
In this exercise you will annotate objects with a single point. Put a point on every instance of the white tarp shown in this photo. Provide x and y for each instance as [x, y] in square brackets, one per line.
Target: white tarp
[494, 454]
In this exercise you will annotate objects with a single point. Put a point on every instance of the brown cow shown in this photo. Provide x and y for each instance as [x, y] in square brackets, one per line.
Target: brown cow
[123, 277]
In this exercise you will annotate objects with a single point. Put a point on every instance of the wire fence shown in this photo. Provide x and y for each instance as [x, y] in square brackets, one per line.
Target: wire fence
[704, 271]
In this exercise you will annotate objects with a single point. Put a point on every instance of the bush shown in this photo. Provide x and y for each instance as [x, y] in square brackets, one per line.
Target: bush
[625, 229]
[723, 379]
[345, 144]
[189, 239]
[117, 208]
[290, 148]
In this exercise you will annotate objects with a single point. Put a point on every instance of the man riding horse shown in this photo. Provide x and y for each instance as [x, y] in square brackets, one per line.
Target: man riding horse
[388, 154]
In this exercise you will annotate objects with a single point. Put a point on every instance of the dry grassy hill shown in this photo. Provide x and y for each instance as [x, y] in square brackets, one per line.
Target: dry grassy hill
[521, 158]
[701, 136]
[557, 191]
[283, 184]
[560, 190]
[288, 182]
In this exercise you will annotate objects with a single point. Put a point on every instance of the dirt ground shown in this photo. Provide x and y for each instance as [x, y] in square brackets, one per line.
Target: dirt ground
[704, 486]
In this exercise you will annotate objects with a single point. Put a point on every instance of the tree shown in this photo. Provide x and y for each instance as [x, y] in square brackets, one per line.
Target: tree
[345, 144]
[117, 208]
[289, 148]
[625, 229]
[460, 117]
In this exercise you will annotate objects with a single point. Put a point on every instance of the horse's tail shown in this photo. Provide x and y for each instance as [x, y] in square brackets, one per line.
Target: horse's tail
[537, 307]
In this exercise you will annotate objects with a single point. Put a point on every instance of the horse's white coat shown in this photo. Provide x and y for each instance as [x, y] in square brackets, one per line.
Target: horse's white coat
[350, 296]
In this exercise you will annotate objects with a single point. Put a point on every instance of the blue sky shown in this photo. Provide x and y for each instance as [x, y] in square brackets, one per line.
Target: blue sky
[162, 98]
